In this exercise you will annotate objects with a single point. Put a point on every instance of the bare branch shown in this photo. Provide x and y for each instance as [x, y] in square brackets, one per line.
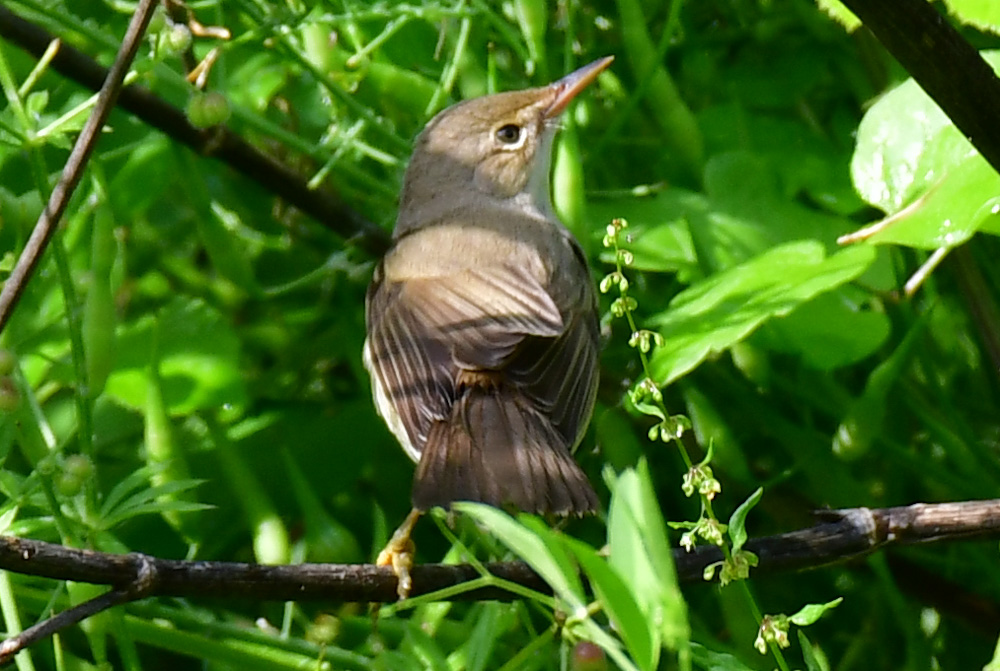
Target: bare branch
[846, 534]
[842, 535]
[144, 582]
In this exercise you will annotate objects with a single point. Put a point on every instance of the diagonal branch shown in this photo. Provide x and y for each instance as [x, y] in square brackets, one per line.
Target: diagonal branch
[943, 63]
[77, 161]
[144, 581]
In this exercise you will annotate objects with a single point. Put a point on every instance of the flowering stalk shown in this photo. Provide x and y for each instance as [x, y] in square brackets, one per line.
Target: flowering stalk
[648, 399]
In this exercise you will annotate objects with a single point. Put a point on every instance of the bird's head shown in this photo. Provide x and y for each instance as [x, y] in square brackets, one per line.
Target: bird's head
[495, 147]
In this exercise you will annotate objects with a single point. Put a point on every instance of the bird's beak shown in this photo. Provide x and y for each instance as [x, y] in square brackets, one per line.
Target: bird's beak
[570, 85]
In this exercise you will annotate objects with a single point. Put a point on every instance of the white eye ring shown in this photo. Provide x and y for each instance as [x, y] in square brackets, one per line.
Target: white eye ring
[510, 135]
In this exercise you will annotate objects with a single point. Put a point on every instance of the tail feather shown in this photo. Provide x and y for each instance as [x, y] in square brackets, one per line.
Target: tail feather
[497, 448]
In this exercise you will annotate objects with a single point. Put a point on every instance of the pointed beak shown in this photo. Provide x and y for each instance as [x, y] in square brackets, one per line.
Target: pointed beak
[569, 86]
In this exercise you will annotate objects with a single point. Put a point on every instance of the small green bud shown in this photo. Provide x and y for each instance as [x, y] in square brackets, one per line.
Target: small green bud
[205, 110]
[10, 397]
[68, 485]
[177, 39]
[324, 629]
[80, 466]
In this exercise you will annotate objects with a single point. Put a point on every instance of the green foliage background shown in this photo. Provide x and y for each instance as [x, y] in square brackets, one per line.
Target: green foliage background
[186, 378]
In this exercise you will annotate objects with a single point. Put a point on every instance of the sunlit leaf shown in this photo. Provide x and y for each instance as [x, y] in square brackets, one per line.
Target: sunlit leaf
[714, 314]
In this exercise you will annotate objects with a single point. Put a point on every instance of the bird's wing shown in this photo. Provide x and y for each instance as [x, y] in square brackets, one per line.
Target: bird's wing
[560, 375]
[423, 331]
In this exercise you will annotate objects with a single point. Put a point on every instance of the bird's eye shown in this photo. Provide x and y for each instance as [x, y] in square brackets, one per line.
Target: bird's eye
[509, 134]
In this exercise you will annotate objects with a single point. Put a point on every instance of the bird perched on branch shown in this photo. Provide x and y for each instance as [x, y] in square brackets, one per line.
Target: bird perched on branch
[482, 318]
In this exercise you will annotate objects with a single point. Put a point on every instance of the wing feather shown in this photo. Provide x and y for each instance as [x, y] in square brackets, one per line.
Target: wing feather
[422, 332]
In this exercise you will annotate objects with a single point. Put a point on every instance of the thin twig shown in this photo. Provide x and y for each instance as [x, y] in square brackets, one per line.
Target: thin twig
[77, 161]
[144, 582]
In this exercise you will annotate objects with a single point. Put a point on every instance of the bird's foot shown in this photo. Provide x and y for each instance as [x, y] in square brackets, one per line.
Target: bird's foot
[398, 553]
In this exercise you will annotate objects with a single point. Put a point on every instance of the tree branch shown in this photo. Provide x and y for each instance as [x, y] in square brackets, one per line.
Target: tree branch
[841, 535]
[140, 587]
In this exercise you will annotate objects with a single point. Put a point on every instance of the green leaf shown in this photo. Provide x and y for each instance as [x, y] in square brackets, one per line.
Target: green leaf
[660, 239]
[983, 14]
[484, 635]
[143, 500]
[905, 143]
[637, 629]
[814, 658]
[553, 542]
[712, 315]
[199, 359]
[8, 516]
[965, 200]
[531, 548]
[640, 553]
[913, 163]
[831, 331]
[837, 11]
[864, 420]
[737, 521]
[711, 660]
[810, 613]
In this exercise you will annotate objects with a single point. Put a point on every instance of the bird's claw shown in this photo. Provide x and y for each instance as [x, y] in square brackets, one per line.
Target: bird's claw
[398, 553]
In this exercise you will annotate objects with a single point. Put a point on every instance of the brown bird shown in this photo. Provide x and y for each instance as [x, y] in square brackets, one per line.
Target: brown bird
[482, 318]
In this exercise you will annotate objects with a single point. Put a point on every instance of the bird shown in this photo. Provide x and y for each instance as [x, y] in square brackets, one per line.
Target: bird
[482, 323]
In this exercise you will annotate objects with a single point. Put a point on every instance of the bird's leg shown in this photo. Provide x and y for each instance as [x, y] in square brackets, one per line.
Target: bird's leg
[398, 553]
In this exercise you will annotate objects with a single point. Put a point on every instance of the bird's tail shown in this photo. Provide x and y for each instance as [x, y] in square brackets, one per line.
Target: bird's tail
[497, 448]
